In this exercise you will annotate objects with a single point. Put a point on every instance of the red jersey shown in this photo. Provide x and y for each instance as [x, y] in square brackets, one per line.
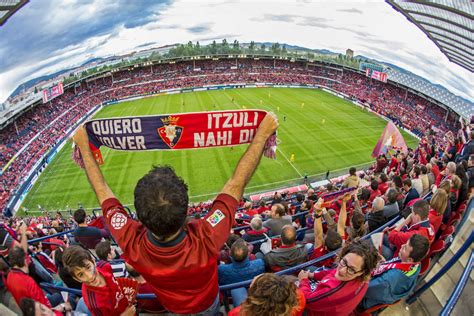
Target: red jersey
[182, 272]
[319, 252]
[21, 285]
[383, 187]
[328, 296]
[104, 300]
[399, 238]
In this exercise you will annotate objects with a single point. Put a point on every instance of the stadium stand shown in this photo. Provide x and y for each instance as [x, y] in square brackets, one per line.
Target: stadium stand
[43, 250]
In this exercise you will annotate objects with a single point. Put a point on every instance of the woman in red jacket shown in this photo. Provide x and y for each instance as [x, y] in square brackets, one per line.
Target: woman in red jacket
[338, 291]
[438, 204]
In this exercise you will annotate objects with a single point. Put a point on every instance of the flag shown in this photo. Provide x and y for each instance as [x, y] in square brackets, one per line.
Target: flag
[391, 138]
[175, 131]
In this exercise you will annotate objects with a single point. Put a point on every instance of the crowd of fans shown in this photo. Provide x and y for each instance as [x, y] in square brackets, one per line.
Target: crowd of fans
[182, 257]
[46, 124]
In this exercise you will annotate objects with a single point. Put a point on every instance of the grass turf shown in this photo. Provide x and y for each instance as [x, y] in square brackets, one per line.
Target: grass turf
[326, 133]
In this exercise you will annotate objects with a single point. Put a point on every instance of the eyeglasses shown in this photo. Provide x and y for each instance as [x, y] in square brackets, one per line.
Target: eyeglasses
[350, 269]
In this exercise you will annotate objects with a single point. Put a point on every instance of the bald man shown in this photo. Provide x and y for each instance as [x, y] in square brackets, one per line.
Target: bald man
[289, 254]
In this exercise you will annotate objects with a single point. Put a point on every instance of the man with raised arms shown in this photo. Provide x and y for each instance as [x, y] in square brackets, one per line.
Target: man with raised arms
[178, 259]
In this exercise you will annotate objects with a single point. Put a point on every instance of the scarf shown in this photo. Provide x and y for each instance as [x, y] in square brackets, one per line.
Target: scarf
[395, 263]
[175, 132]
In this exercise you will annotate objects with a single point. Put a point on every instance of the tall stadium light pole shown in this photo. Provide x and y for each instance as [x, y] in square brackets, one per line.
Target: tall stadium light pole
[16, 127]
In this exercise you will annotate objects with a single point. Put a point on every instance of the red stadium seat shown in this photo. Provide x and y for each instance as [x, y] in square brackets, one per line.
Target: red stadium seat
[425, 264]
[448, 231]
[453, 221]
[436, 247]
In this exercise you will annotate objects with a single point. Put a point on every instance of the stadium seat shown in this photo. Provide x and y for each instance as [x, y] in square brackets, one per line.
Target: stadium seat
[436, 247]
[448, 231]
[425, 264]
[454, 220]
[238, 296]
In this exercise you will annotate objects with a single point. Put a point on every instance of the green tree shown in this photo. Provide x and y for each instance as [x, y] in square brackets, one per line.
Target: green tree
[252, 46]
[214, 47]
[262, 49]
[236, 47]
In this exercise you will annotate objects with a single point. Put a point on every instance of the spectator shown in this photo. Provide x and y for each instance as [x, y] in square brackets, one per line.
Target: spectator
[288, 254]
[278, 219]
[338, 291]
[438, 204]
[87, 236]
[467, 150]
[352, 181]
[374, 190]
[470, 172]
[21, 285]
[376, 218]
[30, 307]
[300, 208]
[416, 223]
[241, 268]
[396, 278]
[178, 260]
[106, 254]
[256, 232]
[271, 294]
[102, 294]
[416, 181]
[410, 193]
[391, 209]
[425, 181]
[383, 183]
[333, 239]
[357, 226]
[430, 174]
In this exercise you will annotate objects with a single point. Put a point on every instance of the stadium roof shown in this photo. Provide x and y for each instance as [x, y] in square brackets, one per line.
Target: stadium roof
[448, 23]
[8, 8]
[456, 103]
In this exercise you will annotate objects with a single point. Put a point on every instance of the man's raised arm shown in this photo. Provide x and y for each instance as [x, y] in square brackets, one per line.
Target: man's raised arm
[96, 179]
[249, 161]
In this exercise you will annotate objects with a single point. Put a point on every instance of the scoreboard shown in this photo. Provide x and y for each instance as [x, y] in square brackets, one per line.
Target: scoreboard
[52, 92]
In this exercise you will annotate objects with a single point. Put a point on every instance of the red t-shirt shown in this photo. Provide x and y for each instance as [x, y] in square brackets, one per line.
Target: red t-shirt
[329, 296]
[104, 300]
[21, 285]
[183, 272]
[399, 238]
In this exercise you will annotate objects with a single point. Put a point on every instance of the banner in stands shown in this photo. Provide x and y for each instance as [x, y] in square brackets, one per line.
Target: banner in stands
[53, 92]
[377, 75]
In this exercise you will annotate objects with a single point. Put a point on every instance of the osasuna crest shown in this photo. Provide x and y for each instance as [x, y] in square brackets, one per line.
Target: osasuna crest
[170, 133]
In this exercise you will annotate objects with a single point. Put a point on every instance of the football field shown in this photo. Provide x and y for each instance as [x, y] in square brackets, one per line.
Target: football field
[321, 131]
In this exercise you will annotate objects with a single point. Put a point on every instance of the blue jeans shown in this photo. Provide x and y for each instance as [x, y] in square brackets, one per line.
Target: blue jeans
[82, 308]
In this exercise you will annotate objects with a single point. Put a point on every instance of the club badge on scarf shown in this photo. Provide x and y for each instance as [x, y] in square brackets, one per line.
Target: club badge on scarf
[175, 131]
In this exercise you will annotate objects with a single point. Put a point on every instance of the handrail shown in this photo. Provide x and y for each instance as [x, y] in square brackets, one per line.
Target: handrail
[443, 269]
[50, 236]
[308, 263]
[453, 299]
[261, 241]
[243, 283]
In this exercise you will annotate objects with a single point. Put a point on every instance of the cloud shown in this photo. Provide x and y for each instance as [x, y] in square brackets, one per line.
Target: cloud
[200, 29]
[353, 10]
[44, 37]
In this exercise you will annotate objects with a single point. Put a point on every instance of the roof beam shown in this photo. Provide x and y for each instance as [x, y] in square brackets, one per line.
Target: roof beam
[442, 7]
[439, 18]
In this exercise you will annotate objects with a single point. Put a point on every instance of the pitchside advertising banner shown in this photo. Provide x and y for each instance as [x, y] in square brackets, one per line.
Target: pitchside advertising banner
[52, 92]
[176, 131]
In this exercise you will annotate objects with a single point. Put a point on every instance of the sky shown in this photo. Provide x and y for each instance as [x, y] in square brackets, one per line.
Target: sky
[49, 35]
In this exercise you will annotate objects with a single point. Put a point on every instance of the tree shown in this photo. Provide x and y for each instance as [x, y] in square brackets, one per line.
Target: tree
[236, 47]
[252, 46]
[262, 48]
[283, 49]
[214, 47]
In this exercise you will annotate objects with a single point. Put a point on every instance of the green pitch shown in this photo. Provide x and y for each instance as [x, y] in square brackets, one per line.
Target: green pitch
[322, 132]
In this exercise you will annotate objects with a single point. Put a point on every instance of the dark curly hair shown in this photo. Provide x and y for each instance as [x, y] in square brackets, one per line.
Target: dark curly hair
[365, 250]
[270, 295]
[161, 201]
